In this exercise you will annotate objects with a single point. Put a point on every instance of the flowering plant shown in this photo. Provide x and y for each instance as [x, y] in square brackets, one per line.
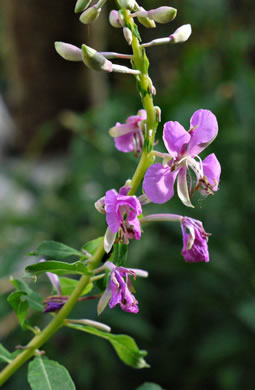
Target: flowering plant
[125, 212]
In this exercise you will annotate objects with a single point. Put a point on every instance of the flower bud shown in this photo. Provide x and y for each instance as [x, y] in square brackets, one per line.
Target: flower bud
[128, 35]
[68, 52]
[90, 15]
[162, 14]
[114, 19]
[94, 60]
[128, 4]
[182, 34]
[81, 5]
[145, 21]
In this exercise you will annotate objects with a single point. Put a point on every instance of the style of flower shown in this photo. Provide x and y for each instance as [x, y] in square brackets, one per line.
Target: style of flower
[183, 150]
[121, 216]
[119, 289]
[195, 248]
[128, 137]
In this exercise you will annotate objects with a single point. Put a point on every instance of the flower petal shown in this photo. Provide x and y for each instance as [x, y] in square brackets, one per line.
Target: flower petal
[125, 143]
[109, 239]
[158, 183]
[102, 303]
[182, 187]
[206, 129]
[212, 170]
[112, 218]
[175, 138]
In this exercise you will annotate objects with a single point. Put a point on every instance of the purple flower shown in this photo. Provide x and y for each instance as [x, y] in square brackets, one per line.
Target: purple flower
[128, 137]
[183, 149]
[118, 289]
[52, 306]
[195, 248]
[121, 216]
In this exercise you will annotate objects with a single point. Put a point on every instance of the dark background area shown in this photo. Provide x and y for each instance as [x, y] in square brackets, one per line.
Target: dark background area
[197, 321]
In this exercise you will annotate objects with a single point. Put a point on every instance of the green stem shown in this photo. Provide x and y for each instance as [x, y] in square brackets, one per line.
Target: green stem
[54, 325]
[144, 83]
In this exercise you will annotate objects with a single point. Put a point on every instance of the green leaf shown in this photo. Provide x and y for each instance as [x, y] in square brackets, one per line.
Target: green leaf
[45, 374]
[55, 250]
[58, 267]
[149, 386]
[125, 346]
[34, 300]
[6, 356]
[19, 304]
[68, 285]
[91, 246]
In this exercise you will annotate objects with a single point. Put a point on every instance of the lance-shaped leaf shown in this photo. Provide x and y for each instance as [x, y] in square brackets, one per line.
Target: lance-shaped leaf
[149, 386]
[55, 250]
[125, 346]
[67, 286]
[91, 246]
[45, 374]
[58, 268]
[6, 356]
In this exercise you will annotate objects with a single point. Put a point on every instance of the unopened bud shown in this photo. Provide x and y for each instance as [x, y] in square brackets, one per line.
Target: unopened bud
[81, 5]
[128, 4]
[124, 69]
[162, 14]
[128, 35]
[94, 60]
[68, 52]
[145, 21]
[182, 34]
[157, 111]
[90, 15]
[115, 19]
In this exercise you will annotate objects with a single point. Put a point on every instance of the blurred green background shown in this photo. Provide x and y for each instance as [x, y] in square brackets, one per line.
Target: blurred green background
[197, 321]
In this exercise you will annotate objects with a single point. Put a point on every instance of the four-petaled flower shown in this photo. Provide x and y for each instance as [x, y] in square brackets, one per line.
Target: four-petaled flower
[128, 137]
[183, 147]
[121, 216]
[119, 289]
[195, 248]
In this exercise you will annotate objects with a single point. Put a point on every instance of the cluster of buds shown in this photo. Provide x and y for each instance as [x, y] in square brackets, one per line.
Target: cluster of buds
[100, 61]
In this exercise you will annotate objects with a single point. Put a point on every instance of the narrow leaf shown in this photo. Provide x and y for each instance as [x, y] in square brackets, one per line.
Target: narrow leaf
[149, 386]
[45, 374]
[67, 286]
[125, 346]
[58, 267]
[17, 300]
[91, 246]
[55, 250]
[5, 355]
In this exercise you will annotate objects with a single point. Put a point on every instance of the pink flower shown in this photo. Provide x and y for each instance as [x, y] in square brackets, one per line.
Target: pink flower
[195, 248]
[121, 216]
[119, 289]
[128, 137]
[183, 149]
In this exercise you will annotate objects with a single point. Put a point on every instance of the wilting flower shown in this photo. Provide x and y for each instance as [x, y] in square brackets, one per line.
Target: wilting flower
[128, 137]
[52, 305]
[121, 216]
[195, 248]
[183, 149]
[119, 289]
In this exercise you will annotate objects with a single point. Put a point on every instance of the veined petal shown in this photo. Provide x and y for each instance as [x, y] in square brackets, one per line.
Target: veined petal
[104, 300]
[112, 218]
[212, 170]
[125, 143]
[109, 239]
[182, 187]
[175, 137]
[134, 221]
[205, 130]
[119, 130]
[158, 183]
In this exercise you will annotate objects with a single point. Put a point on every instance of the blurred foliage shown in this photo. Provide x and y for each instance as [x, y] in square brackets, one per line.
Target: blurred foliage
[197, 321]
